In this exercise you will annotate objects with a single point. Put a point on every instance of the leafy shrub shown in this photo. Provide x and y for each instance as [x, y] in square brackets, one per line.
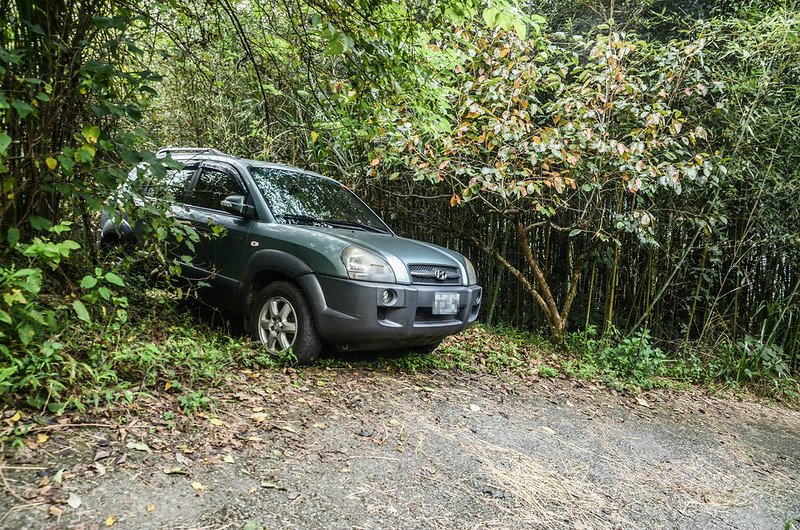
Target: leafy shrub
[632, 359]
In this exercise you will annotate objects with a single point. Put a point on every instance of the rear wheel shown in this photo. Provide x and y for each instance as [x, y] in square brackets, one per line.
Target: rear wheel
[282, 320]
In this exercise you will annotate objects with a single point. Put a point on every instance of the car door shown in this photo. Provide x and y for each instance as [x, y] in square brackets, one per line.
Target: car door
[223, 249]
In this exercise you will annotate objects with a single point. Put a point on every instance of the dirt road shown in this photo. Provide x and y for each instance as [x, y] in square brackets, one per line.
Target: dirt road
[341, 448]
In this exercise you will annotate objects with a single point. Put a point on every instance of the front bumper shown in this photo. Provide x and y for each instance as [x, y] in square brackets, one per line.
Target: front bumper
[351, 315]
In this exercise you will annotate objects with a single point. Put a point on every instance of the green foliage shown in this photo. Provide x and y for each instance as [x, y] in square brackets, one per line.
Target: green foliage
[752, 360]
[632, 360]
[192, 402]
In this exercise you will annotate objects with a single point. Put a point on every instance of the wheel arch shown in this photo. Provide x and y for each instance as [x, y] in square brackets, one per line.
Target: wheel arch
[268, 266]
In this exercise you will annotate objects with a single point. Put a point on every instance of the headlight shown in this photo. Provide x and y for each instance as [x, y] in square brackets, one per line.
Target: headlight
[364, 265]
[472, 276]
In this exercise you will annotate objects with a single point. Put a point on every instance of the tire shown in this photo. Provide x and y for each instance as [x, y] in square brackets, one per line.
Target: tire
[282, 319]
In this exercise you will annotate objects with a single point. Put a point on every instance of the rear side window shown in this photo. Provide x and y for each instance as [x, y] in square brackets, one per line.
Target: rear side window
[213, 185]
[176, 181]
[172, 182]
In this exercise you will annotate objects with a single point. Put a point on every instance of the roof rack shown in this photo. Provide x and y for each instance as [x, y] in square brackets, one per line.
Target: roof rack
[198, 150]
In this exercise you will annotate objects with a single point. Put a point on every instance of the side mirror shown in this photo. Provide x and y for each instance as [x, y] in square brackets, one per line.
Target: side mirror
[237, 204]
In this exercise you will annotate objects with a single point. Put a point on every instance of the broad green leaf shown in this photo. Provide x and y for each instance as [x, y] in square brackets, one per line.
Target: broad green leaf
[13, 236]
[40, 223]
[5, 141]
[113, 278]
[23, 109]
[88, 282]
[81, 311]
[4, 317]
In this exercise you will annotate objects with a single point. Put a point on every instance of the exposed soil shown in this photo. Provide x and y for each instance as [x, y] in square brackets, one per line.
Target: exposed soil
[347, 448]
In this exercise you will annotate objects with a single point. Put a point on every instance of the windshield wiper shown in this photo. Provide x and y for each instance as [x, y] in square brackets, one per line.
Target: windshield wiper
[302, 218]
[355, 224]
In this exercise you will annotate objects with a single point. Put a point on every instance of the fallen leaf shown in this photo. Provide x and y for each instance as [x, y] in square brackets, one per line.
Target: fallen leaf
[182, 459]
[55, 511]
[259, 417]
[59, 476]
[253, 489]
[101, 455]
[228, 458]
[642, 402]
[474, 408]
[99, 468]
[15, 418]
[41, 438]
[138, 446]
[150, 507]
[111, 521]
[175, 470]
[198, 486]
[345, 470]
[271, 485]
[217, 422]
[74, 501]
[548, 430]
[287, 428]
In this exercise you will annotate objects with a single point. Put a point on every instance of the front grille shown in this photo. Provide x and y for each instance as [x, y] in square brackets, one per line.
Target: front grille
[425, 315]
[427, 275]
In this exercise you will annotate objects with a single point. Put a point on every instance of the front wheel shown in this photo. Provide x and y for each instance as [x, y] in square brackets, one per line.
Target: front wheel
[282, 320]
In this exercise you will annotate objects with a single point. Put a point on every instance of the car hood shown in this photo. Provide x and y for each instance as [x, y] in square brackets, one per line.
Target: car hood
[398, 251]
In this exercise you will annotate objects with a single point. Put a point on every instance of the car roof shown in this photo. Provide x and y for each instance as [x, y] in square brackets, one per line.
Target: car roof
[199, 154]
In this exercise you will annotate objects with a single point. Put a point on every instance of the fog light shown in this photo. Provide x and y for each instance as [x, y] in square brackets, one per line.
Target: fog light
[388, 297]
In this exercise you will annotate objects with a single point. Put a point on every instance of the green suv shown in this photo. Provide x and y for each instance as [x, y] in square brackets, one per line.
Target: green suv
[307, 263]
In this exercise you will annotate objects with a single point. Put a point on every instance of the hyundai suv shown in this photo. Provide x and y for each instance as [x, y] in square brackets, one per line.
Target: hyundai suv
[306, 262]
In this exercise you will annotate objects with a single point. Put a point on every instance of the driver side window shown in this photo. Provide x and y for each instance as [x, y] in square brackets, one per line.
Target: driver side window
[213, 185]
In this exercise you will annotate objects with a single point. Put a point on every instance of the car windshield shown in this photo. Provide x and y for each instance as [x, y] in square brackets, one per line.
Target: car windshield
[301, 198]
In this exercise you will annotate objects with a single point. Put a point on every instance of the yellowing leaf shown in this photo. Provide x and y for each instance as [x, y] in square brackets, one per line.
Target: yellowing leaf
[150, 507]
[228, 458]
[375, 161]
[167, 385]
[91, 133]
[111, 521]
[216, 421]
[455, 199]
[51, 162]
[55, 511]
[314, 135]
[197, 486]
[16, 417]
[41, 438]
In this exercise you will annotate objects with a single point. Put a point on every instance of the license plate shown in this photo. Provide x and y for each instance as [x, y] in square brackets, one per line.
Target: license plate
[445, 303]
